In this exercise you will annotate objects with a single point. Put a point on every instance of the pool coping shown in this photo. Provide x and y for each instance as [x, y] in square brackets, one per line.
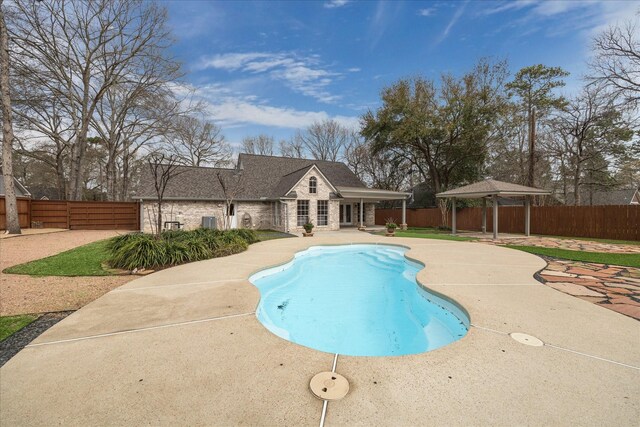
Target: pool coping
[202, 352]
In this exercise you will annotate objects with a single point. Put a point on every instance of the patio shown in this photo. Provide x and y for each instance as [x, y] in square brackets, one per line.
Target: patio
[184, 344]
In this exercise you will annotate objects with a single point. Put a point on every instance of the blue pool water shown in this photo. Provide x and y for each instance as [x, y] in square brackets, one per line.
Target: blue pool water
[358, 300]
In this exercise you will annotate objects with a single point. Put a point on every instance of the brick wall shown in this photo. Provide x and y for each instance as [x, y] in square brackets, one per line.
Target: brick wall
[259, 215]
[323, 192]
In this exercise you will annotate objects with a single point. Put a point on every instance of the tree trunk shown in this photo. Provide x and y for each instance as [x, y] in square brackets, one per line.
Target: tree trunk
[159, 217]
[11, 204]
[576, 183]
[111, 178]
[532, 148]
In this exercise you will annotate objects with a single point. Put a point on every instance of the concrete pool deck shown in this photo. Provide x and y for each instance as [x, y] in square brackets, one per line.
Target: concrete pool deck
[183, 346]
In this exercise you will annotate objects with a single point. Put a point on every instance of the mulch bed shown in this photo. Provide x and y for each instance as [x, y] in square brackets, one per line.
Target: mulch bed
[16, 342]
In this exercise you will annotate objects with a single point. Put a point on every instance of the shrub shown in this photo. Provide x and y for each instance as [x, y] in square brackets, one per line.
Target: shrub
[175, 247]
[141, 252]
[247, 235]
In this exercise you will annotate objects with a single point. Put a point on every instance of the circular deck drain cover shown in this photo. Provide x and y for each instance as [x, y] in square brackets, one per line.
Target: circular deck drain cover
[329, 386]
[526, 339]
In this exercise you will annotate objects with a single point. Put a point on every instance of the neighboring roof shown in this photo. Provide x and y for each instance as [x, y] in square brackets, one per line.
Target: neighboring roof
[371, 193]
[263, 177]
[21, 191]
[490, 187]
[623, 196]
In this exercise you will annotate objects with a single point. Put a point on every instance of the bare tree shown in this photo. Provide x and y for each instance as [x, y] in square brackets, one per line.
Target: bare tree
[78, 50]
[261, 144]
[324, 140]
[387, 170]
[134, 113]
[616, 63]
[232, 183]
[163, 170]
[590, 127]
[197, 142]
[11, 204]
[292, 148]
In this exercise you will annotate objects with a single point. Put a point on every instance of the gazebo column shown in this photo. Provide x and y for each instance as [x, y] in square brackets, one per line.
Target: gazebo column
[403, 226]
[453, 216]
[494, 200]
[484, 215]
[527, 216]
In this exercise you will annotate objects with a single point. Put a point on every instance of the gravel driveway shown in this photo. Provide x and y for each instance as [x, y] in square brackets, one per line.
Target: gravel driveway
[25, 294]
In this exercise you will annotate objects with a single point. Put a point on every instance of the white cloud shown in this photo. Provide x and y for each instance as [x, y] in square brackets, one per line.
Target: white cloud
[354, 70]
[304, 75]
[509, 5]
[587, 17]
[430, 11]
[234, 112]
[456, 16]
[332, 4]
[231, 110]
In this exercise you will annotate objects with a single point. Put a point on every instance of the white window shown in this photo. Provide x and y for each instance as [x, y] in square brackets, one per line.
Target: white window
[313, 185]
[303, 212]
[323, 212]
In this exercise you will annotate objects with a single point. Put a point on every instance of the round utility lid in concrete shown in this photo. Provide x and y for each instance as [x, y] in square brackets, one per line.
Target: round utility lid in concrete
[329, 386]
[526, 339]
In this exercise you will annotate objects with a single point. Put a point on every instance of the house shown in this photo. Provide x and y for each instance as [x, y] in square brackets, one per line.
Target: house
[626, 196]
[264, 192]
[21, 190]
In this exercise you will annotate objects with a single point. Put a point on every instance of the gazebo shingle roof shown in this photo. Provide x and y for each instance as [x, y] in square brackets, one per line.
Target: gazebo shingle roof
[490, 187]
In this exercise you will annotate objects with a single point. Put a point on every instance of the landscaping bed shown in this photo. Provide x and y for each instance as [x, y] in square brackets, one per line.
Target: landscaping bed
[144, 251]
[17, 340]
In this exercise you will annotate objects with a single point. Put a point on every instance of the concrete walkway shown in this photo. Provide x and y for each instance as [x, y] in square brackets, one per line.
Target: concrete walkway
[183, 346]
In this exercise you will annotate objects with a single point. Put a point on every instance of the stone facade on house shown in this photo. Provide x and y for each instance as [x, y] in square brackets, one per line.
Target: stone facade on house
[323, 192]
[268, 193]
[254, 215]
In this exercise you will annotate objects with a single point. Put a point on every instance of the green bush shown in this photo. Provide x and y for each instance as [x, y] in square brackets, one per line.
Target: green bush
[175, 247]
[247, 235]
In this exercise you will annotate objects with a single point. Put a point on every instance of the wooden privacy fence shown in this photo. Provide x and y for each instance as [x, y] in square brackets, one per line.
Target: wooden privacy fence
[602, 222]
[76, 215]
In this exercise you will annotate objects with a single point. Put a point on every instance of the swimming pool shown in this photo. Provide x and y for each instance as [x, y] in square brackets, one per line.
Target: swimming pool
[357, 300]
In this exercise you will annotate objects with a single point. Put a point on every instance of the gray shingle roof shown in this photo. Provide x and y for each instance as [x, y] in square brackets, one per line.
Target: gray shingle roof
[262, 177]
[491, 187]
[603, 198]
[21, 191]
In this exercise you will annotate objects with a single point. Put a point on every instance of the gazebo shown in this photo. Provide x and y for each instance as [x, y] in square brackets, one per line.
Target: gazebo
[492, 189]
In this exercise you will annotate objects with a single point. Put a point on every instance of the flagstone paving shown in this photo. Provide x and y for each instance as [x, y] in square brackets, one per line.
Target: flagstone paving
[613, 287]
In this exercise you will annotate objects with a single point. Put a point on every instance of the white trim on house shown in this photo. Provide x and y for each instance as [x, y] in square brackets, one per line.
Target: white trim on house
[313, 166]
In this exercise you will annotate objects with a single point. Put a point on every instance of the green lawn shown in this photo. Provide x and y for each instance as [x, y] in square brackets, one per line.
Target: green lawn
[431, 233]
[11, 324]
[81, 261]
[272, 234]
[627, 260]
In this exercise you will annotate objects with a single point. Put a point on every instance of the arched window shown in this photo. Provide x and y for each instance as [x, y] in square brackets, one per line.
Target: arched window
[313, 185]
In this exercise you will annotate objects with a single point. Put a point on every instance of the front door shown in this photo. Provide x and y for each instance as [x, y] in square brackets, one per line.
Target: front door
[345, 214]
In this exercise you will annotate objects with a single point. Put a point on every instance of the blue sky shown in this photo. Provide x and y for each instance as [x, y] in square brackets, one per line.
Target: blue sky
[274, 67]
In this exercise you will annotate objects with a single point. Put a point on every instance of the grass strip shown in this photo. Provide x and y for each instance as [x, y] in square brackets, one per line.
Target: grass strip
[432, 233]
[9, 325]
[625, 260]
[592, 239]
[84, 260]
